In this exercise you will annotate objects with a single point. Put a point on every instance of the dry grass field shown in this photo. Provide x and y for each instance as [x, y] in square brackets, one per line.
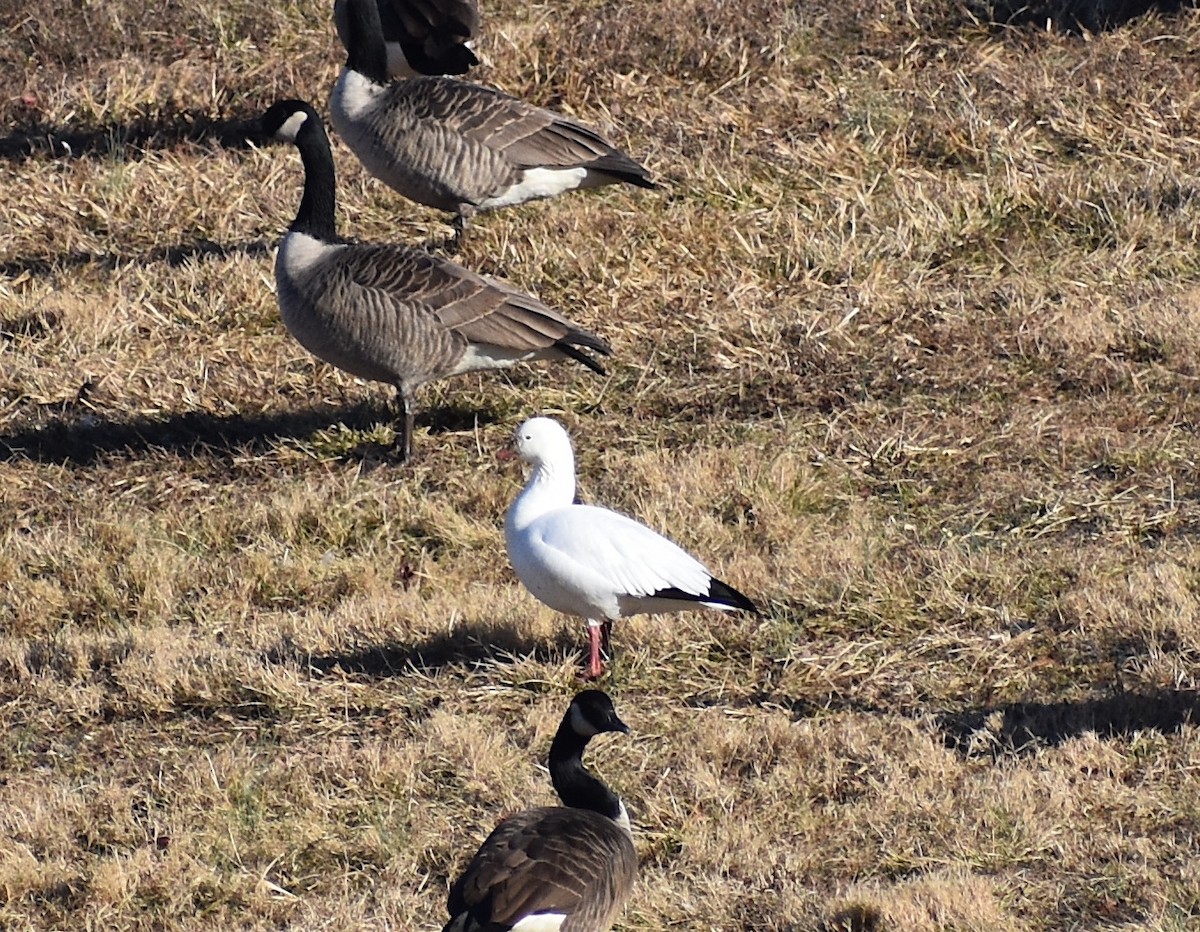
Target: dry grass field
[907, 349]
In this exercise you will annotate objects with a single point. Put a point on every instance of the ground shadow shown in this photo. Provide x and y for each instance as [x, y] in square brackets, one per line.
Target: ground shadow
[1071, 16]
[173, 256]
[129, 139]
[796, 708]
[467, 644]
[1023, 726]
[72, 437]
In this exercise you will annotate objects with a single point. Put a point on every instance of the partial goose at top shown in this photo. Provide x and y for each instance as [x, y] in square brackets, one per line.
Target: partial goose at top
[456, 146]
[591, 562]
[394, 314]
[422, 36]
[555, 869]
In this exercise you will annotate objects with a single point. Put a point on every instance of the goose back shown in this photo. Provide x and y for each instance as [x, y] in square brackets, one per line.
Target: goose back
[571, 862]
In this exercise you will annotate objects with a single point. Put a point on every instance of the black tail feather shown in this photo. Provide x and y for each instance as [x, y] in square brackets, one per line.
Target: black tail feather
[592, 342]
[718, 593]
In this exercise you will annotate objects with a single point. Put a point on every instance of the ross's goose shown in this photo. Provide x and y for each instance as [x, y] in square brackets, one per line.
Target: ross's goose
[591, 562]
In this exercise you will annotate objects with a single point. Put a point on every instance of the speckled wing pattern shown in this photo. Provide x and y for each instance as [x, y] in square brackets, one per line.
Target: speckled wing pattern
[526, 135]
[475, 308]
[548, 860]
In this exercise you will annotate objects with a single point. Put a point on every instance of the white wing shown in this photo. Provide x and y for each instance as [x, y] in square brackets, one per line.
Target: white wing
[618, 553]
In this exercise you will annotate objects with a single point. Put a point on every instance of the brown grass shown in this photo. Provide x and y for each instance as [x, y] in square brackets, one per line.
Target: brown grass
[908, 349]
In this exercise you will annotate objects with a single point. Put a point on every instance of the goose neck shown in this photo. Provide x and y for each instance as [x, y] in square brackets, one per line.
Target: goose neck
[317, 214]
[576, 787]
[367, 50]
[549, 487]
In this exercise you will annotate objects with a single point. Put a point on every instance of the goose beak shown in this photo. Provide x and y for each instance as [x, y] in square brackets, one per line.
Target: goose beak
[617, 725]
[508, 452]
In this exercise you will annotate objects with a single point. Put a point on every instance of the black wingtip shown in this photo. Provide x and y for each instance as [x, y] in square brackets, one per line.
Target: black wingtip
[725, 594]
[719, 593]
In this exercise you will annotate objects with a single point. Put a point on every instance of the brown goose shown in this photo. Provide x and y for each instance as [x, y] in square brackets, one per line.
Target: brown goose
[394, 314]
[555, 869]
[461, 147]
[422, 36]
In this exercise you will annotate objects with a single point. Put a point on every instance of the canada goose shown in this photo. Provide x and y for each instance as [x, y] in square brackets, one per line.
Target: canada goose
[461, 147]
[554, 868]
[592, 562]
[422, 36]
[391, 313]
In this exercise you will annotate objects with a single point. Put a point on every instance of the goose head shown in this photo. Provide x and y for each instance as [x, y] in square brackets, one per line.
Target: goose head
[543, 441]
[286, 119]
[592, 712]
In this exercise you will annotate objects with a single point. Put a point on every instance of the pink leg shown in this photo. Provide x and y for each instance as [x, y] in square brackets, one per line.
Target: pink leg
[595, 664]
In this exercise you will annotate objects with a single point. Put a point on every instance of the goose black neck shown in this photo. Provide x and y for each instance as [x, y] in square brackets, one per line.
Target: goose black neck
[575, 786]
[367, 51]
[316, 216]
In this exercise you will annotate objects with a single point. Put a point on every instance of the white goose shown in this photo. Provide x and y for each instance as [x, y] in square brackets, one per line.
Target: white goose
[591, 562]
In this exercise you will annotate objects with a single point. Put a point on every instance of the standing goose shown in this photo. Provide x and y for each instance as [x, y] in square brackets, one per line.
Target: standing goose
[592, 562]
[553, 868]
[460, 147]
[394, 314]
[422, 36]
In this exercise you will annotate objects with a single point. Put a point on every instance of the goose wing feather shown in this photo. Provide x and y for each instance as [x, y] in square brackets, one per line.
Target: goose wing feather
[528, 136]
[478, 309]
[547, 860]
[612, 551]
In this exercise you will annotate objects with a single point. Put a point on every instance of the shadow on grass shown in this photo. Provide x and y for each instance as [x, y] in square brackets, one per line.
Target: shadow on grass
[128, 139]
[1024, 726]
[468, 644]
[1072, 16]
[796, 708]
[72, 438]
[173, 256]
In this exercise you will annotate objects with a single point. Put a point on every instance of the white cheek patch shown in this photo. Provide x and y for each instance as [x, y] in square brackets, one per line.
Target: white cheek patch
[622, 818]
[580, 725]
[291, 126]
[397, 63]
[537, 183]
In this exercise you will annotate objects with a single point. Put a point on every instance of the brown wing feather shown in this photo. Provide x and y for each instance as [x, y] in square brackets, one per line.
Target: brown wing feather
[528, 136]
[547, 860]
[478, 309]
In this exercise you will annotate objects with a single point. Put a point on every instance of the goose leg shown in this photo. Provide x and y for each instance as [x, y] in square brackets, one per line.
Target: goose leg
[405, 422]
[595, 668]
[461, 219]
